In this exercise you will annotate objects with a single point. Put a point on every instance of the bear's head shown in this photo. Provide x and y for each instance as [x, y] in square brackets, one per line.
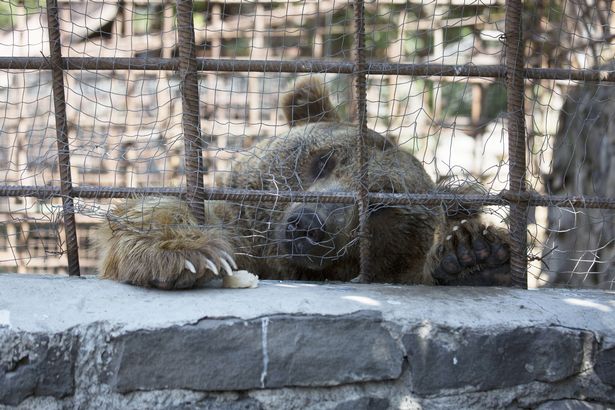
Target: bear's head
[320, 154]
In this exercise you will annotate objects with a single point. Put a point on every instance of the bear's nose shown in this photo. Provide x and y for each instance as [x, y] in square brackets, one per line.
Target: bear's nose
[305, 223]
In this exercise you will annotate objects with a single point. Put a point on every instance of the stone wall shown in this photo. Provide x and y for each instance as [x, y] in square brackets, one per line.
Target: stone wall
[92, 344]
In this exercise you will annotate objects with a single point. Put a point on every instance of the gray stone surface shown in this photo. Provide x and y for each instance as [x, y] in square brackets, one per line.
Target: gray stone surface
[53, 303]
[212, 355]
[491, 360]
[69, 343]
[605, 366]
[364, 403]
[269, 352]
[36, 364]
[572, 405]
[327, 351]
[212, 404]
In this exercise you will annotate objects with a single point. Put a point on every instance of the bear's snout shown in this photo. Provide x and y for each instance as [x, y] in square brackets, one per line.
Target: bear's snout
[309, 234]
[306, 225]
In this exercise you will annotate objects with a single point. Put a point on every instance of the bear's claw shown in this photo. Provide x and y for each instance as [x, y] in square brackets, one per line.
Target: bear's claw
[226, 267]
[229, 259]
[211, 266]
[190, 266]
[197, 268]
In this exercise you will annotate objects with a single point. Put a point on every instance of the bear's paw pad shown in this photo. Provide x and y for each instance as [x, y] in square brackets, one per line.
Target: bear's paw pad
[473, 254]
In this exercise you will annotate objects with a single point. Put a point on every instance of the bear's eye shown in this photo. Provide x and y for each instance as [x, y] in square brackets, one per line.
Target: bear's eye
[322, 165]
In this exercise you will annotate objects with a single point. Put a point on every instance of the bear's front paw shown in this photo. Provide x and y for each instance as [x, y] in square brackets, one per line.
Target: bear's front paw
[473, 255]
[165, 258]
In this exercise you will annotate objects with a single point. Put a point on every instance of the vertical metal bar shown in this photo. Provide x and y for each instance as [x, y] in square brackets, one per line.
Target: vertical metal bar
[193, 142]
[360, 79]
[516, 140]
[66, 184]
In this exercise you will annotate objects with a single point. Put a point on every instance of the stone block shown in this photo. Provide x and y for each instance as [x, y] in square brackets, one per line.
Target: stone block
[328, 351]
[36, 364]
[276, 351]
[212, 355]
[212, 404]
[365, 403]
[444, 358]
[568, 404]
[604, 366]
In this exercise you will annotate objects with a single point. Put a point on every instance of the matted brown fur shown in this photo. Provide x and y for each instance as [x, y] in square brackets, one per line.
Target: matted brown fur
[156, 242]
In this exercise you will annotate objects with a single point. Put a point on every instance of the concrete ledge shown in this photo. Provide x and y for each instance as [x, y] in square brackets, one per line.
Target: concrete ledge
[88, 343]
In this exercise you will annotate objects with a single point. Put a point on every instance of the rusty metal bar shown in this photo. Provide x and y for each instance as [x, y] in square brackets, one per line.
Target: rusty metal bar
[66, 185]
[191, 119]
[504, 199]
[305, 66]
[516, 140]
[360, 82]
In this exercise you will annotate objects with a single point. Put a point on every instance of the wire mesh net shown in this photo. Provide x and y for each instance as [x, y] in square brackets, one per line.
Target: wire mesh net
[435, 89]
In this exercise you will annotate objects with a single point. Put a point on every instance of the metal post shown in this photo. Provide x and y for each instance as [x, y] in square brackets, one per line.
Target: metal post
[360, 80]
[66, 185]
[193, 142]
[516, 141]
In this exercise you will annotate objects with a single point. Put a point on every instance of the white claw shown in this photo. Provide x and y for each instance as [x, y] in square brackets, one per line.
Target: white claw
[211, 266]
[188, 265]
[226, 267]
[230, 259]
[464, 221]
[455, 228]
[449, 237]
[485, 232]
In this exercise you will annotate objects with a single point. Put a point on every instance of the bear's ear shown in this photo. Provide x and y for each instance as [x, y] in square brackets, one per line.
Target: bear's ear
[308, 102]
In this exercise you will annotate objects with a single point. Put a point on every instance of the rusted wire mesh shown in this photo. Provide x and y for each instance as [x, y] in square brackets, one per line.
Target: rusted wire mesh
[108, 100]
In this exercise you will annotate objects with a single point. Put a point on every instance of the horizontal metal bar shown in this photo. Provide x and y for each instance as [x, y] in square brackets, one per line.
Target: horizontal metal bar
[504, 198]
[303, 66]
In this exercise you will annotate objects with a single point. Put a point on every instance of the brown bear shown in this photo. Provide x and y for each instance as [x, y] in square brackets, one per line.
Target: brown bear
[156, 242]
